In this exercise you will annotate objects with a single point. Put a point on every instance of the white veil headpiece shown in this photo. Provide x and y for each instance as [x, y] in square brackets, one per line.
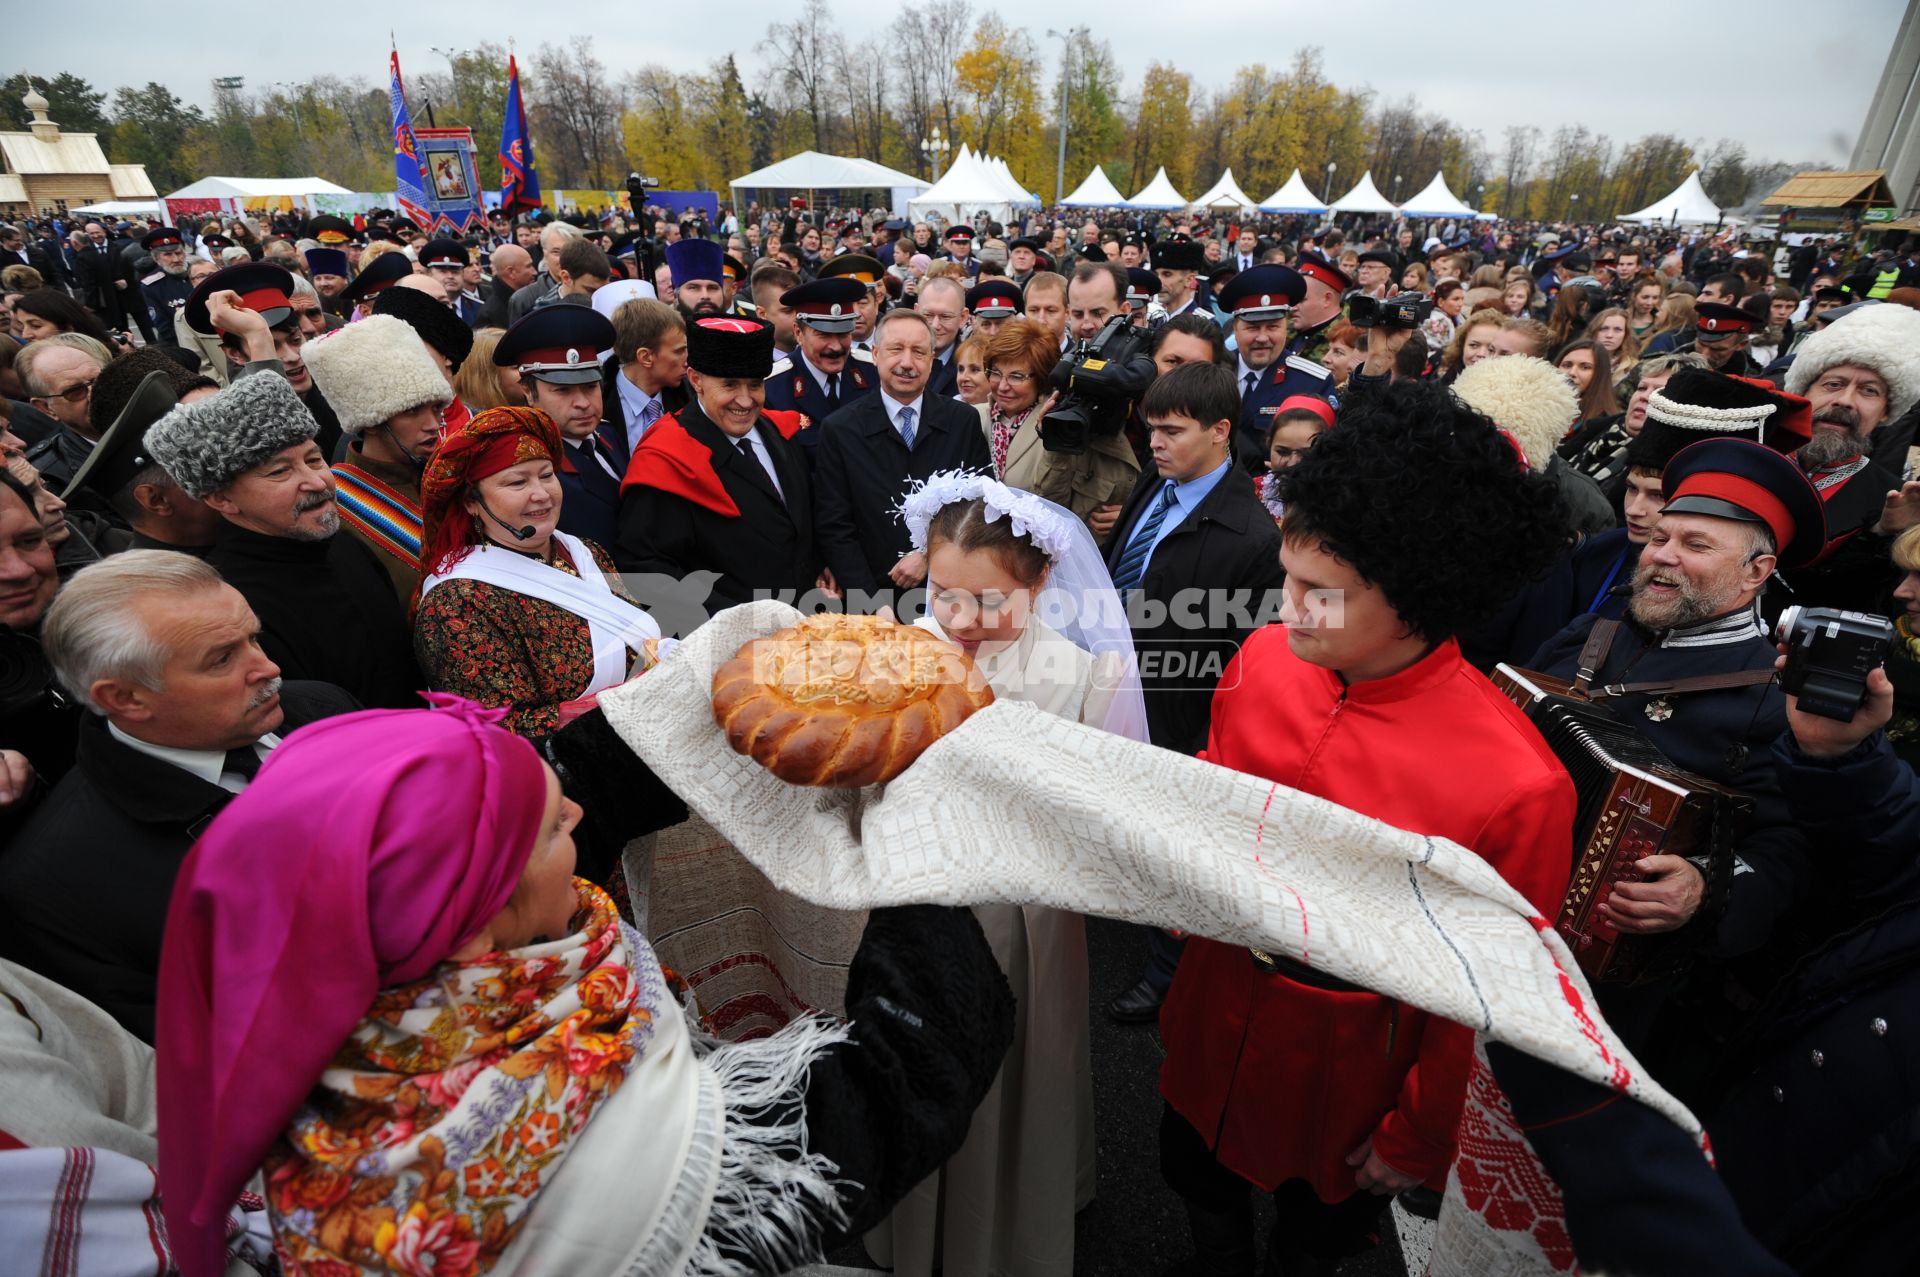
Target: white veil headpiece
[1078, 601]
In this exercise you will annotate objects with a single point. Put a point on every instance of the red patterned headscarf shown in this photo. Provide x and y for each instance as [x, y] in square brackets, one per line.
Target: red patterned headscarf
[487, 444]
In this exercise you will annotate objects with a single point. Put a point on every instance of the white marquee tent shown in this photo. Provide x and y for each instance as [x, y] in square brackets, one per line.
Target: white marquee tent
[1435, 201]
[1158, 193]
[236, 194]
[972, 184]
[1226, 193]
[1365, 197]
[1292, 197]
[1687, 205]
[1098, 191]
[815, 171]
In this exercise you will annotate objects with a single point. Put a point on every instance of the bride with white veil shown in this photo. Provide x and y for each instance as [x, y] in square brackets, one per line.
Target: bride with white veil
[1017, 581]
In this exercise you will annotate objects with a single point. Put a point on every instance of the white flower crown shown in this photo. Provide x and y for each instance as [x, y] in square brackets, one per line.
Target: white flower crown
[1032, 517]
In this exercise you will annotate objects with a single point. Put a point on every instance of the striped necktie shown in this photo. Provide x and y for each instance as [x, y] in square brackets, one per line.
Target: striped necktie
[1133, 564]
[906, 427]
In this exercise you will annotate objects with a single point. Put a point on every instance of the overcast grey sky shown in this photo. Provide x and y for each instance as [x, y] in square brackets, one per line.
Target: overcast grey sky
[1789, 78]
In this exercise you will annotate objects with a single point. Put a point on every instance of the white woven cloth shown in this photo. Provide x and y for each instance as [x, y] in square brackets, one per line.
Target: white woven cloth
[1024, 807]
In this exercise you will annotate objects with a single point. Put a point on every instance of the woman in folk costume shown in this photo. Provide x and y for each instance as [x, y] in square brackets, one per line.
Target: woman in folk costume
[447, 1055]
[1018, 582]
[389, 396]
[515, 613]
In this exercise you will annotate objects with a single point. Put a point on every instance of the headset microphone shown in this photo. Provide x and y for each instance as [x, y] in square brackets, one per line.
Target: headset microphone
[518, 534]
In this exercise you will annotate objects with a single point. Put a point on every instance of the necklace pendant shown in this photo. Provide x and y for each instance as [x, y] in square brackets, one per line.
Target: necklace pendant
[1659, 710]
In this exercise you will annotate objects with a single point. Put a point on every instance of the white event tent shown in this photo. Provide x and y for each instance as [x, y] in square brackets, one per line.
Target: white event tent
[1686, 205]
[1226, 193]
[972, 184]
[815, 171]
[1098, 191]
[237, 194]
[1292, 197]
[1365, 197]
[1435, 201]
[1158, 193]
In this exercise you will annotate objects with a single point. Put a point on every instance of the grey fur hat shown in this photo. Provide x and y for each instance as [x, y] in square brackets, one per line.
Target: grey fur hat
[373, 370]
[204, 446]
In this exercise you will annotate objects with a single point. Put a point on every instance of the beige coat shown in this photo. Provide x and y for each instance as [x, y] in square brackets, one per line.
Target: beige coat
[1103, 475]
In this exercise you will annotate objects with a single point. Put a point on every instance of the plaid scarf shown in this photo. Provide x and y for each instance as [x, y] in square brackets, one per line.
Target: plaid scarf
[425, 1144]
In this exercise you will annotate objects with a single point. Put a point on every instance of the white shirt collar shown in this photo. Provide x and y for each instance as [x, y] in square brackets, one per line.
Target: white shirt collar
[819, 377]
[208, 764]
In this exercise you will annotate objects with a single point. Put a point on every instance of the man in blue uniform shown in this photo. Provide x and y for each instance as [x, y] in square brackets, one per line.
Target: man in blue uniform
[824, 373]
[1261, 301]
[990, 303]
[867, 272]
[1735, 511]
[165, 287]
[557, 350]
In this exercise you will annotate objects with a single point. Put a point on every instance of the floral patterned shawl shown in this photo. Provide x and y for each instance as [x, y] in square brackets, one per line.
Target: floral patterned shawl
[456, 1098]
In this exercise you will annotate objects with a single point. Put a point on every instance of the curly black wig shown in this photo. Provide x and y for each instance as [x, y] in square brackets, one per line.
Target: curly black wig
[1424, 498]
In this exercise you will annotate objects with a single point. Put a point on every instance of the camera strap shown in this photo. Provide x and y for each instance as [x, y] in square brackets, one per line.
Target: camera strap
[1600, 642]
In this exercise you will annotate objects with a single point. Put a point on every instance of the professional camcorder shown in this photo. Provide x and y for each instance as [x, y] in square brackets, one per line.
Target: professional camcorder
[1099, 384]
[1408, 310]
[1830, 653]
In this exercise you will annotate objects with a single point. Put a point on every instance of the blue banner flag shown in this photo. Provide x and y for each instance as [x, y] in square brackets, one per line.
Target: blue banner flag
[519, 177]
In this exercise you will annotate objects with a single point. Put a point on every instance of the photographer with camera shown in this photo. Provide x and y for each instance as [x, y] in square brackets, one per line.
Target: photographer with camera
[1084, 461]
[1261, 302]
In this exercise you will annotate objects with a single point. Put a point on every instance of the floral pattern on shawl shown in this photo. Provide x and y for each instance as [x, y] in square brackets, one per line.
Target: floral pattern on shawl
[424, 1145]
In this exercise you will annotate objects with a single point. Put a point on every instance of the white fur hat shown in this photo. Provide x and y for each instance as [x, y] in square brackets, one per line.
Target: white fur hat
[1885, 338]
[373, 370]
[1528, 398]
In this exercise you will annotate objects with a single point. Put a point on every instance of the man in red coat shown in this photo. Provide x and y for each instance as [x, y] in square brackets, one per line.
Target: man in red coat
[1410, 520]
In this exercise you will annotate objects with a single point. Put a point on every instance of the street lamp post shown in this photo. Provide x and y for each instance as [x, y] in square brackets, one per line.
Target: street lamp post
[935, 148]
[453, 71]
[1326, 191]
[1066, 77]
[1573, 206]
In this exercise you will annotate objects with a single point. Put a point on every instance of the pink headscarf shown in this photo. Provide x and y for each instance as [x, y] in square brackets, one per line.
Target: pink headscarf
[370, 847]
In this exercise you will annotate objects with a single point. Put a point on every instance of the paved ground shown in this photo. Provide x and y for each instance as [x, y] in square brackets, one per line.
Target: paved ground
[1136, 1224]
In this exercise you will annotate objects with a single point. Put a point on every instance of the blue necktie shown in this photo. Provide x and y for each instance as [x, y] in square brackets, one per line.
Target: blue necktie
[1133, 564]
[906, 427]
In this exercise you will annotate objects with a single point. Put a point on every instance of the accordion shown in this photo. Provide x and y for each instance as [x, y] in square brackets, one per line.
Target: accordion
[1633, 802]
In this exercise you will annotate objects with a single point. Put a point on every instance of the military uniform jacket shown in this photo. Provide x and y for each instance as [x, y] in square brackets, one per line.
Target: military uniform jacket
[792, 387]
[1856, 570]
[166, 297]
[1281, 380]
[590, 491]
[708, 521]
[1725, 735]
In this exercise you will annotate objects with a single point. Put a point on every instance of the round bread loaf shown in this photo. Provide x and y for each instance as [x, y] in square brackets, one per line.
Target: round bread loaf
[844, 701]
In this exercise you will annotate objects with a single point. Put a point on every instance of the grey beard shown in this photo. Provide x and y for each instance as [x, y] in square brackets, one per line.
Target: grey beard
[1829, 448]
[328, 525]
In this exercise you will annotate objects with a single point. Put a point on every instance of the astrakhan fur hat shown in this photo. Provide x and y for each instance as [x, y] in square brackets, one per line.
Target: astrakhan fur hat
[373, 370]
[1528, 398]
[205, 446]
[1885, 338]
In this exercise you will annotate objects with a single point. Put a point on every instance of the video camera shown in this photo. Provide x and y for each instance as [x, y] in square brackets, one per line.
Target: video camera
[1830, 653]
[1408, 310]
[1099, 384]
[637, 184]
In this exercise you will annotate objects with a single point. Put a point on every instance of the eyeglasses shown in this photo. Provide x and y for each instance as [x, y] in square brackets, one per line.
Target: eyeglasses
[1011, 378]
[77, 393]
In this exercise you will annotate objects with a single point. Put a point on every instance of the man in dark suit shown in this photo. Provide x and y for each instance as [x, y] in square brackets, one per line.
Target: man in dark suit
[646, 378]
[84, 886]
[717, 506]
[1196, 541]
[824, 373]
[557, 350]
[99, 273]
[877, 447]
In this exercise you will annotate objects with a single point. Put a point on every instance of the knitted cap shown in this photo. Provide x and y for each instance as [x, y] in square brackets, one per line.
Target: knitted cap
[373, 370]
[205, 446]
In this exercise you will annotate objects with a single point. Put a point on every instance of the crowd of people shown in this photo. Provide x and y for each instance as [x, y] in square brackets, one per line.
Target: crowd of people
[366, 976]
